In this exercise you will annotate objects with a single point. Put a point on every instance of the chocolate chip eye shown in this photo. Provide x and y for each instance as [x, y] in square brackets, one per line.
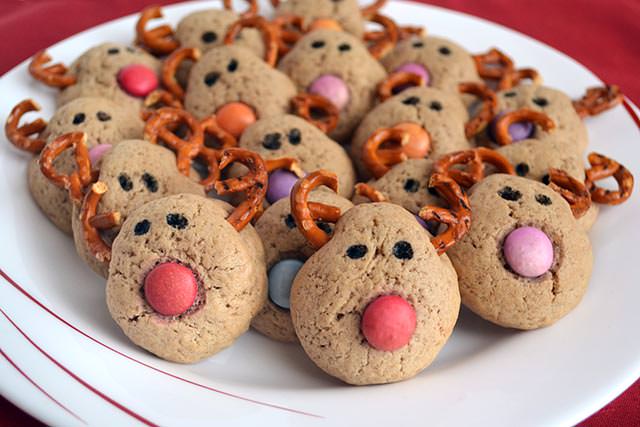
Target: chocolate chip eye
[545, 179]
[102, 116]
[209, 37]
[543, 200]
[130, 49]
[509, 94]
[344, 47]
[290, 222]
[418, 45]
[540, 102]
[324, 226]
[411, 185]
[232, 66]
[150, 182]
[317, 44]
[403, 250]
[211, 78]
[435, 106]
[522, 169]
[412, 100]
[177, 221]
[78, 118]
[295, 137]
[432, 191]
[141, 227]
[113, 51]
[271, 141]
[125, 182]
[444, 50]
[510, 194]
[356, 251]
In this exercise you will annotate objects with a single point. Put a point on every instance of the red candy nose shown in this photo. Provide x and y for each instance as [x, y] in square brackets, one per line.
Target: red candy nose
[170, 288]
[388, 323]
[137, 80]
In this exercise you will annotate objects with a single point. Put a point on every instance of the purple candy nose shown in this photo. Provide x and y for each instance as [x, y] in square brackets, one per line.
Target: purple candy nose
[415, 68]
[333, 88]
[518, 130]
[280, 184]
[96, 153]
[528, 251]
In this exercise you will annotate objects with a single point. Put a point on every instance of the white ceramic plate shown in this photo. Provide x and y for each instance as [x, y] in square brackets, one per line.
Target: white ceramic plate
[67, 363]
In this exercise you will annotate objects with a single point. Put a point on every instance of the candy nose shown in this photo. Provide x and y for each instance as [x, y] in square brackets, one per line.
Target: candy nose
[280, 184]
[170, 288]
[281, 277]
[333, 88]
[97, 152]
[415, 68]
[235, 117]
[137, 80]
[388, 323]
[528, 251]
[419, 143]
[517, 130]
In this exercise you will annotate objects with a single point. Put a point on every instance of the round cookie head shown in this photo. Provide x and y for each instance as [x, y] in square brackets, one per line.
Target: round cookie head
[218, 280]
[336, 65]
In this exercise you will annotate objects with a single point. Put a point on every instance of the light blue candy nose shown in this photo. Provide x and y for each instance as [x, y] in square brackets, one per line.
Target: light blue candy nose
[281, 277]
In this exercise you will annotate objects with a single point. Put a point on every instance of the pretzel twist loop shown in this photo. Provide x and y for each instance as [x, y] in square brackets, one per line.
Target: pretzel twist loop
[372, 9]
[478, 123]
[20, 135]
[380, 160]
[56, 75]
[397, 81]
[495, 65]
[160, 40]
[597, 100]
[503, 137]
[251, 11]
[269, 35]
[572, 190]
[290, 29]
[170, 67]
[92, 222]
[366, 190]
[381, 45]
[603, 167]
[317, 110]
[474, 161]
[157, 99]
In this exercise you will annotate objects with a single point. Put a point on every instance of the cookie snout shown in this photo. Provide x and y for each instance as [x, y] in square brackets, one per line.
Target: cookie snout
[333, 88]
[414, 68]
[137, 80]
[170, 288]
[388, 323]
[235, 117]
[528, 251]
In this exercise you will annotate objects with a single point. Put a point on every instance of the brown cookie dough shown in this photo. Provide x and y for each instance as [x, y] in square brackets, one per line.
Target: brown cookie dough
[377, 250]
[345, 12]
[282, 241]
[191, 231]
[104, 122]
[343, 56]
[290, 136]
[489, 286]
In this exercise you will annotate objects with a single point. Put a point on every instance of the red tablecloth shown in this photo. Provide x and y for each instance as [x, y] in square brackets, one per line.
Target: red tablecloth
[604, 36]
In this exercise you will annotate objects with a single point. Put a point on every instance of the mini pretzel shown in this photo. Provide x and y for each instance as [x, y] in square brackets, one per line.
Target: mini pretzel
[572, 190]
[397, 80]
[391, 34]
[369, 192]
[379, 160]
[598, 99]
[372, 9]
[290, 29]
[495, 65]
[81, 177]
[301, 209]
[170, 67]
[19, 135]
[56, 75]
[522, 74]
[269, 35]
[457, 219]
[251, 11]
[308, 105]
[474, 161]
[161, 39]
[503, 137]
[403, 33]
[603, 167]
[92, 222]
[254, 183]
[157, 99]
[286, 163]
[476, 124]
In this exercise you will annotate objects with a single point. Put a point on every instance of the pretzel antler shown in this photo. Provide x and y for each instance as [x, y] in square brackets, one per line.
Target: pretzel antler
[372, 9]
[572, 190]
[170, 67]
[20, 135]
[379, 160]
[317, 110]
[269, 35]
[474, 160]
[290, 29]
[384, 40]
[598, 99]
[369, 192]
[251, 11]
[495, 65]
[398, 81]
[603, 167]
[92, 222]
[157, 99]
[503, 137]
[161, 39]
[457, 219]
[476, 124]
[56, 75]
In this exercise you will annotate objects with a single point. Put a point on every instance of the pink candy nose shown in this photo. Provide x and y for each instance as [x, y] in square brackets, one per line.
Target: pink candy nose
[388, 323]
[96, 153]
[415, 68]
[333, 88]
[528, 251]
[170, 288]
[137, 80]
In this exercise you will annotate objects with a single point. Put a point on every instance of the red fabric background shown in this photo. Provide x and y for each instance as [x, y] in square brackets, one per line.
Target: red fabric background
[602, 35]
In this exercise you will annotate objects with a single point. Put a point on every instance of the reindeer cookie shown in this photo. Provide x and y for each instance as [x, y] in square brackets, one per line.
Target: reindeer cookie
[105, 124]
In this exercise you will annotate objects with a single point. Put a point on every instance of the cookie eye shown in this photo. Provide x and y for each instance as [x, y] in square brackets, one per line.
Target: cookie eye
[271, 141]
[418, 44]
[141, 227]
[289, 221]
[540, 102]
[411, 185]
[324, 226]
[356, 251]
[113, 51]
[444, 50]
[412, 100]
[545, 179]
[435, 106]
[295, 136]
[125, 182]
[211, 78]
[543, 200]
[344, 47]
[509, 94]
[150, 182]
[432, 191]
[403, 250]
[130, 49]
[317, 44]
[510, 194]
[177, 221]
[522, 169]
[102, 116]
[78, 118]
[209, 37]
[232, 66]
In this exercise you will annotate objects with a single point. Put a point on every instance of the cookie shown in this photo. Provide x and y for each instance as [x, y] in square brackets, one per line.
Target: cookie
[216, 281]
[339, 67]
[345, 12]
[526, 262]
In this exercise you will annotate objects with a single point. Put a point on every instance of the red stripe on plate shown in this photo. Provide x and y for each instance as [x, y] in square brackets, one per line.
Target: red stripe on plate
[80, 380]
[36, 385]
[206, 387]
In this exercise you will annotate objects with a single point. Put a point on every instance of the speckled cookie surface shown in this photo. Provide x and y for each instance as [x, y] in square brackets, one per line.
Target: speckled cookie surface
[327, 52]
[290, 136]
[332, 290]
[447, 63]
[231, 283]
[440, 113]
[135, 172]
[97, 69]
[282, 240]
[345, 12]
[494, 291]
[104, 122]
[234, 74]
